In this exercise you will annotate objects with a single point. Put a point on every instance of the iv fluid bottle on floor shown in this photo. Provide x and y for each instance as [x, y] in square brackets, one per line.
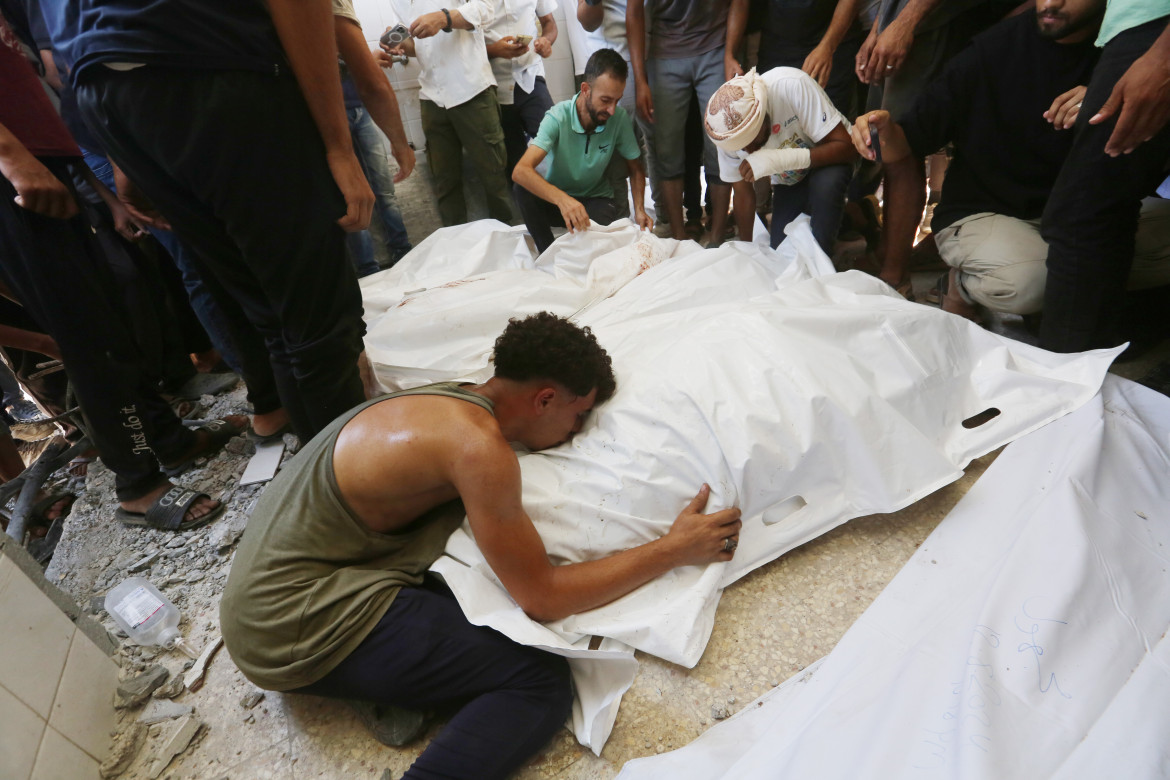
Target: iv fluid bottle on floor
[146, 615]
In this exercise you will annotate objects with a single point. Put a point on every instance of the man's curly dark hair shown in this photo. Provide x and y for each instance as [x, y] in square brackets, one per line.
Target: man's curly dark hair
[545, 346]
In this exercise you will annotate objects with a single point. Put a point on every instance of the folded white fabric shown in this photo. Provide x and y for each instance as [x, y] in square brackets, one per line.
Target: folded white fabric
[804, 397]
[1026, 638]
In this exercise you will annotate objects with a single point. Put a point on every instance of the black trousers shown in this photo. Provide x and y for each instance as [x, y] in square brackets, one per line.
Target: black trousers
[521, 120]
[234, 161]
[540, 216]
[423, 654]
[57, 270]
[1091, 217]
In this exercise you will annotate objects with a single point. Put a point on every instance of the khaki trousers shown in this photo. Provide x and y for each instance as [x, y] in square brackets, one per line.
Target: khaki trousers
[1002, 260]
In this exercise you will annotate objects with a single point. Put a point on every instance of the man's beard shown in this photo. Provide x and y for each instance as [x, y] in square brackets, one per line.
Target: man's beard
[594, 116]
[1066, 26]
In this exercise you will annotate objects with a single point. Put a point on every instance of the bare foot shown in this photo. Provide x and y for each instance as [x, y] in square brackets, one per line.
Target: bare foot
[270, 422]
[206, 362]
[79, 466]
[201, 507]
[953, 301]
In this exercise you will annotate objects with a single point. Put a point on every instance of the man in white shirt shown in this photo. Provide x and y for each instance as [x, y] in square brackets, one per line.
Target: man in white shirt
[517, 55]
[783, 125]
[458, 101]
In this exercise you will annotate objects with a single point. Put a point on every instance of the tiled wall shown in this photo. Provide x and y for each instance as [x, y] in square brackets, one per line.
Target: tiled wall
[376, 17]
[56, 685]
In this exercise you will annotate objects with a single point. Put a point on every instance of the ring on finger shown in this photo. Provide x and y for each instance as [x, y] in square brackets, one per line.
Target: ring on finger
[730, 543]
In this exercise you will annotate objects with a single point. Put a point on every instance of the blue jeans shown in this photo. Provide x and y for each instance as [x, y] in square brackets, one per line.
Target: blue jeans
[821, 195]
[371, 154]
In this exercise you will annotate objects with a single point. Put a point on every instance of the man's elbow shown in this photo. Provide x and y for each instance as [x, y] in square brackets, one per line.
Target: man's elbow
[520, 174]
[538, 606]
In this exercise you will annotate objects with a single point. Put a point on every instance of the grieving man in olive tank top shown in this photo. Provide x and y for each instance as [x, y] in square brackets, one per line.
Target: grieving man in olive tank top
[328, 593]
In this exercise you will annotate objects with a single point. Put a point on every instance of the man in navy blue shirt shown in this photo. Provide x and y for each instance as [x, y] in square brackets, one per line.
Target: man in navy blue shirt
[228, 116]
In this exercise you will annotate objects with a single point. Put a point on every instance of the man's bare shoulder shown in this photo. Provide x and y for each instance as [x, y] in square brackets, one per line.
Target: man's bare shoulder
[432, 418]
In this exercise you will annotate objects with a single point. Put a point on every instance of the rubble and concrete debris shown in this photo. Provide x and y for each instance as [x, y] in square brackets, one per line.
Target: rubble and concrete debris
[143, 563]
[162, 709]
[719, 712]
[173, 687]
[227, 532]
[124, 558]
[250, 700]
[194, 676]
[127, 744]
[134, 691]
[175, 744]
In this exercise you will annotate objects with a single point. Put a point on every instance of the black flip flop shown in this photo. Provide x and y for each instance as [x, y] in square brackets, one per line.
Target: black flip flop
[166, 513]
[219, 433]
[277, 435]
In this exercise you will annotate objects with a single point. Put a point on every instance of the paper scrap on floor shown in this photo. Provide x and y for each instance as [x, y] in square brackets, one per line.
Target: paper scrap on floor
[1026, 637]
[805, 397]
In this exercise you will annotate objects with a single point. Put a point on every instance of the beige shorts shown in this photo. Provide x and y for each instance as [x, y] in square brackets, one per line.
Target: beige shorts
[1002, 260]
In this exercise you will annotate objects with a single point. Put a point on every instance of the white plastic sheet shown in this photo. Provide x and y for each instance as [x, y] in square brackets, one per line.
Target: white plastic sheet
[804, 397]
[1026, 638]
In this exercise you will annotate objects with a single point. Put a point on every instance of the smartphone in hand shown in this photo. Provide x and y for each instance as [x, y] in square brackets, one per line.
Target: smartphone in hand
[394, 36]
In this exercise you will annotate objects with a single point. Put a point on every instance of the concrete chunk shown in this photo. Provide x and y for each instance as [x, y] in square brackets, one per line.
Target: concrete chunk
[125, 750]
[132, 692]
[161, 709]
[143, 563]
[178, 741]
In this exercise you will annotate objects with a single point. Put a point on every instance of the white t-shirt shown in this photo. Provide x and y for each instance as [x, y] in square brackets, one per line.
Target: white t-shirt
[454, 66]
[801, 115]
[517, 17]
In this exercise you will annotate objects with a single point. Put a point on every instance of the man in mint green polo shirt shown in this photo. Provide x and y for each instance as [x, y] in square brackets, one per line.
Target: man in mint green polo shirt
[579, 137]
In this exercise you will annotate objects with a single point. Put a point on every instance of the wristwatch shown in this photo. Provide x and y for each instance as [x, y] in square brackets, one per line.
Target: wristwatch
[447, 14]
[592, 2]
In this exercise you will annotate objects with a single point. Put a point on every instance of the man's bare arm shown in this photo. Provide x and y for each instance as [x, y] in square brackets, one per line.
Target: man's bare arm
[636, 38]
[905, 191]
[590, 16]
[1140, 99]
[893, 44]
[376, 93]
[489, 484]
[638, 190]
[548, 36]
[306, 33]
[819, 62]
[525, 174]
[737, 14]
[37, 189]
[744, 208]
